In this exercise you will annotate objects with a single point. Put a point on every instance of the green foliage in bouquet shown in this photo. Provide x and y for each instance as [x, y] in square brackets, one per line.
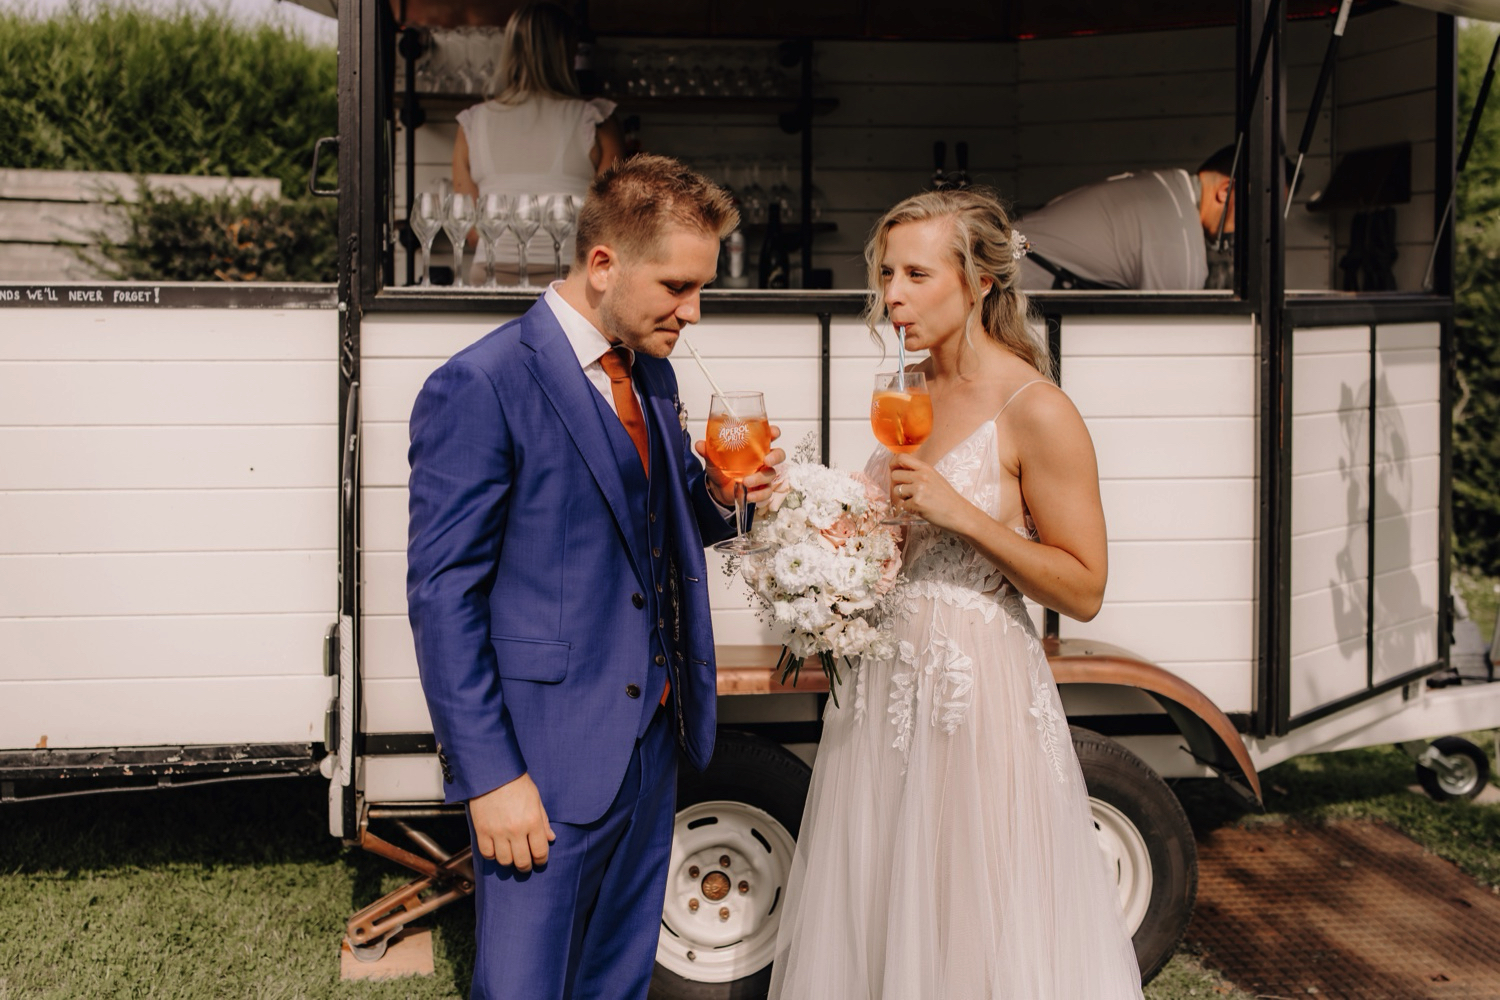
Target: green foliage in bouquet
[1476, 413]
[172, 237]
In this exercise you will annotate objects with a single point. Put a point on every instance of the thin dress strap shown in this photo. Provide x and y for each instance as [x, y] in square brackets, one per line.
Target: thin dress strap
[1018, 392]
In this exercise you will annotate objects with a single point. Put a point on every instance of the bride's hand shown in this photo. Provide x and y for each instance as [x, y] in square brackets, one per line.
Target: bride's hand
[917, 488]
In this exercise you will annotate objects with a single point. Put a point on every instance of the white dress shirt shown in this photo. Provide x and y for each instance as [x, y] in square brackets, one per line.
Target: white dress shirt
[590, 345]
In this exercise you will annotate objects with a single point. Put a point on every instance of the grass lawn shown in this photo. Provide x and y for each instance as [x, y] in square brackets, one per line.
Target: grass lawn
[237, 890]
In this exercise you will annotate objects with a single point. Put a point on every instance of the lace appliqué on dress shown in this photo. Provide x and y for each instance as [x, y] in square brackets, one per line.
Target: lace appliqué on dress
[903, 695]
[954, 691]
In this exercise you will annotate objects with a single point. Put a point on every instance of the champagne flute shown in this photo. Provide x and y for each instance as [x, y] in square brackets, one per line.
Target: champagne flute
[494, 219]
[901, 415]
[426, 219]
[560, 220]
[457, 222]
[525, 217]
[753, 197]
[738, 440]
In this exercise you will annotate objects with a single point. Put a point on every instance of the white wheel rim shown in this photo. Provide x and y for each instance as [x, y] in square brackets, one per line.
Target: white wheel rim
[700, 944]
[1129, 861]
[1460, 776]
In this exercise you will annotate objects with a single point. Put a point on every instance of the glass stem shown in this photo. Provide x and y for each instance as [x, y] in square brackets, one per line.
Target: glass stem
[489, 263]
[739, 508]
[521, 266]
[458, 262]
[426, 264]
[557, 256]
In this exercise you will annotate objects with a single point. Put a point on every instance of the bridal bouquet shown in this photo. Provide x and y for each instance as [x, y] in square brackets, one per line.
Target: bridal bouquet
[829, 567]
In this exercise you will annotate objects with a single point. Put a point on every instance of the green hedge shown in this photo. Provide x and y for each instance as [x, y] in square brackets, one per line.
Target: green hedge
[170, 237]
[190, 91]
[1476, 414]
[186, 92]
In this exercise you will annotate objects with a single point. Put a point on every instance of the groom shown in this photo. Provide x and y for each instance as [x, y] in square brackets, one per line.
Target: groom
[557, 591]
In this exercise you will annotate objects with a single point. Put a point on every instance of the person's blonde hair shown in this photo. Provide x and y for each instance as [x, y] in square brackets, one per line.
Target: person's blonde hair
[982, 246]
[630, 206]
[536, 55]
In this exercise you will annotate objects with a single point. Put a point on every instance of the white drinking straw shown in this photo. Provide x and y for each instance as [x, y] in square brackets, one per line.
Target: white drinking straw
[900, 356]
[704, 368]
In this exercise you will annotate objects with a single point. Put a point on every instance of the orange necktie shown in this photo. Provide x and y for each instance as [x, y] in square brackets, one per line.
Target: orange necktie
[616, 364]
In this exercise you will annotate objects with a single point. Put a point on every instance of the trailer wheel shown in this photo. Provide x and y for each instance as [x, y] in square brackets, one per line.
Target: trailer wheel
[1148, 842]
[1467, 773]
[746, 809]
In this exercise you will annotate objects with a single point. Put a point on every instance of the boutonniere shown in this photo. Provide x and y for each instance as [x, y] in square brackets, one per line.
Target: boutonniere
[682, 414]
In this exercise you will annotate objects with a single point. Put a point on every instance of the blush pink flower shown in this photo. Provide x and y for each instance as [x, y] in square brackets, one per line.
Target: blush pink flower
[780, 489]
[840, 531]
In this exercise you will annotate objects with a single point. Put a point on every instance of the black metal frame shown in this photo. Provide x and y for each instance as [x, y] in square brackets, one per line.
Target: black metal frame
[167, 295]
[1263, 284]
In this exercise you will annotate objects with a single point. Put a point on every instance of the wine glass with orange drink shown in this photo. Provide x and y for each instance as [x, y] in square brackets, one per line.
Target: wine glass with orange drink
[738, 440]
[901, 414]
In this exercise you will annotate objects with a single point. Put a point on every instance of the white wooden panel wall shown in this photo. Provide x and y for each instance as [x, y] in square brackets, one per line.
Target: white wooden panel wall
[168, 508]
[1384, 93]
[1330, 510]
[1171, 406]
[778, 356]
[1040, 118]
[1407, 482]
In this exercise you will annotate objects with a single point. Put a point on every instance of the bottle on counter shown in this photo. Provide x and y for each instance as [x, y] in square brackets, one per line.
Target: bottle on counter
[775, 266]
[589, 83]
[733, 273]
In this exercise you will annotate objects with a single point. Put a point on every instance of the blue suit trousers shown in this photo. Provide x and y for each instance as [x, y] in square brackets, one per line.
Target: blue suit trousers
[585, 925]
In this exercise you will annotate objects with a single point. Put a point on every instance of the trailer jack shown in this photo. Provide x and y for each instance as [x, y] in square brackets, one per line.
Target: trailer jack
[444, 878]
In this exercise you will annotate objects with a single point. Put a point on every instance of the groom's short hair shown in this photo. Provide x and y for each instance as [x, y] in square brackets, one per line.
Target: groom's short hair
[630, 206]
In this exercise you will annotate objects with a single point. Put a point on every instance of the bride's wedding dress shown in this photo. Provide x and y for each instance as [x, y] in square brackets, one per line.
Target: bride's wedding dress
[947, 851]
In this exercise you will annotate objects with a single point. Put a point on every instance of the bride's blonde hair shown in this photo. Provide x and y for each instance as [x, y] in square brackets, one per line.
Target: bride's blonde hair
[983, 246]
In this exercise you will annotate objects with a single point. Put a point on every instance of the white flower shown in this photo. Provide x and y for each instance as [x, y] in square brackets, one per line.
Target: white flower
[795, 567]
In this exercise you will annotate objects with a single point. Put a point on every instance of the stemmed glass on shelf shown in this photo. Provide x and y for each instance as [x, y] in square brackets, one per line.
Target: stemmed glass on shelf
[559, 221]
[738, 440]
[753, 197]
[525, 219]
[457, 222]
[901, 416]
[494, 220]
[426, 219]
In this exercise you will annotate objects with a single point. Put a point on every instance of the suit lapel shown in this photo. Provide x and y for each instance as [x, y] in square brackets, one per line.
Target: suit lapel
[555, 368]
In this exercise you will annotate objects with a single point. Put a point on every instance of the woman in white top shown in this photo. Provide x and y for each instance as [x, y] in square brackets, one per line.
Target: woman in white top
[536, 135]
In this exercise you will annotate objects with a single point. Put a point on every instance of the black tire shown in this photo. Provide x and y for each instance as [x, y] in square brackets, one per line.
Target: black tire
[1474, 766]
[760, 773]
[1121, 780]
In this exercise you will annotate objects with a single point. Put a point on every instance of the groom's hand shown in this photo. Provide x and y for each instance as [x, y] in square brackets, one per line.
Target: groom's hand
[757, 484]
[510, 824]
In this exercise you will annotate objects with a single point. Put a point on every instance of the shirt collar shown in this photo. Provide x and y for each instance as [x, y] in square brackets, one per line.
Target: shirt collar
[587, 342]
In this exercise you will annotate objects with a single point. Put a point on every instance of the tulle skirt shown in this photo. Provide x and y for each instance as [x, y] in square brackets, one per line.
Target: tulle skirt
[947, 850]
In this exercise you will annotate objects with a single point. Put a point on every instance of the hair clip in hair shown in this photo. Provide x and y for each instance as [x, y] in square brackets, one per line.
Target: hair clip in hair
[1020, 246]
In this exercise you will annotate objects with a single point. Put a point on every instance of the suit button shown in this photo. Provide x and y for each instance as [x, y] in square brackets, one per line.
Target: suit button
[656, 553]
[658, 588]
[661, 623]
[661, 661]
[632, 690]
[638, 600]
[651, 518]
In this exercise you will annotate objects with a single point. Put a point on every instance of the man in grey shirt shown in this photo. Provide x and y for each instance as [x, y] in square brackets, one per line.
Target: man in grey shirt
[1145, 231]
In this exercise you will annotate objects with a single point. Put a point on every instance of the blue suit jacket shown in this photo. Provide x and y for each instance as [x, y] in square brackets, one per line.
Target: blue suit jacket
[528, 583]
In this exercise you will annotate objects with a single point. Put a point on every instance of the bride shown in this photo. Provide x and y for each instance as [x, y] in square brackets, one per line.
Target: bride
[947, 850]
